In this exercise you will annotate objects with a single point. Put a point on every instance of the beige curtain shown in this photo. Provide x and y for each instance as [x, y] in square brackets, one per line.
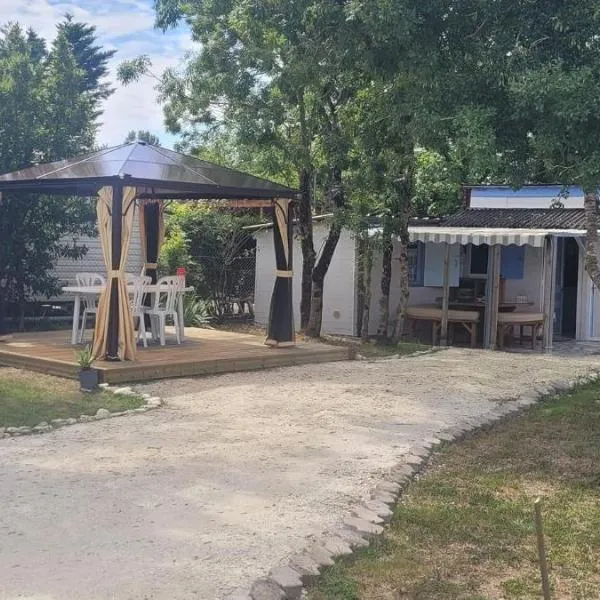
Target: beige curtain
[161, 230]
[126, 330]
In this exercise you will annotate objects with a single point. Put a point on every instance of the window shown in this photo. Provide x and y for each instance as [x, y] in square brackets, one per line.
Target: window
[415, 265]
[478, 263]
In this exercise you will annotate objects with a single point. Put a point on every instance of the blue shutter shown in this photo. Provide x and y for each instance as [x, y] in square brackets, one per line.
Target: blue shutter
[512, 264]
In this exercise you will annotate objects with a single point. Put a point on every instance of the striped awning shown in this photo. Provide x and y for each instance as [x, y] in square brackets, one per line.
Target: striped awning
[503, 237]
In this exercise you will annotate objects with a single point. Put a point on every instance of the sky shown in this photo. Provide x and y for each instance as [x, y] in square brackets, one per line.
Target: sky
[128, 27]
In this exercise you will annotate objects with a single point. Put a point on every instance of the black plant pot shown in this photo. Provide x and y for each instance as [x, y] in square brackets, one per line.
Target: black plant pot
[88, 380]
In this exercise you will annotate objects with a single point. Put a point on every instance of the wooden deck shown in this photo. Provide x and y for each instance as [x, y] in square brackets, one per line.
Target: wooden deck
[204, 352]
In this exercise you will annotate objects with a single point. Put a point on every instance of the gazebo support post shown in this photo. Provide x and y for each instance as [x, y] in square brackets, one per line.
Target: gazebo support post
[280, 329]
[445, 297]
[548, 271]
[112, 352]
[492, 297]
[150, 213]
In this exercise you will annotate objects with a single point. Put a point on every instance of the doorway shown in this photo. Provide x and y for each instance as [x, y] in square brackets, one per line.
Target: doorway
[567, 278]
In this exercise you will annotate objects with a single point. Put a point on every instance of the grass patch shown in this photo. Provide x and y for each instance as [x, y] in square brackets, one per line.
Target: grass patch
[465, 530]
[29, 398]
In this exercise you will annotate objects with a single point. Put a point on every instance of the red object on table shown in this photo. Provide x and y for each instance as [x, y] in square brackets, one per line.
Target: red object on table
[181, 273]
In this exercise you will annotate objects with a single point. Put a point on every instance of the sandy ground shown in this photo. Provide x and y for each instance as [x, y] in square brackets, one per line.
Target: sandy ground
[200, 497]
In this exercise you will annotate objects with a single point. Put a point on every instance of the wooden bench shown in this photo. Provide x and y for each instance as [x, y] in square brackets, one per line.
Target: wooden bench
[508, 321]
[469, 319]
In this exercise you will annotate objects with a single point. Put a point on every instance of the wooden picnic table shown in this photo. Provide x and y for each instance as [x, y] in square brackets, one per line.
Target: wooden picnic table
[82, 290]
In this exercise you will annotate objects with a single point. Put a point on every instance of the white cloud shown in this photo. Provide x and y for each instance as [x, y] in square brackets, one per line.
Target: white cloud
[128, 27]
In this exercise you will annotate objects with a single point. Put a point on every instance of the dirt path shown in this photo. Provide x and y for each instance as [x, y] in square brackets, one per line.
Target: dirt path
[195, 499]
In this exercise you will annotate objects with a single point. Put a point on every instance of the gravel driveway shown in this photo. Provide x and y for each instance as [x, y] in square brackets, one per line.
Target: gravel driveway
[204, 495]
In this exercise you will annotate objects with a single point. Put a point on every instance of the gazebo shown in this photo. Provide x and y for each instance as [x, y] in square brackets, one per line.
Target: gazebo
[142, 176]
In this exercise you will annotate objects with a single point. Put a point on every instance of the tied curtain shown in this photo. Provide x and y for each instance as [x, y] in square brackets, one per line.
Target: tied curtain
[280, 329]
[116, 283]
[152, 234]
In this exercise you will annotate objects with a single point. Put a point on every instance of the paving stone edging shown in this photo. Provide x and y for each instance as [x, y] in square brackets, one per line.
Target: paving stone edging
[150, 402]
[366, 521]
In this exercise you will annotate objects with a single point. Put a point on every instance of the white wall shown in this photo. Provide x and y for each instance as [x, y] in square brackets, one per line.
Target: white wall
[531, 285]
[418, 295]
[339, 293]
[93, 261]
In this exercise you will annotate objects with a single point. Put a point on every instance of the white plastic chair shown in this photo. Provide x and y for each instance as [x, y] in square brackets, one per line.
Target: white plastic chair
[136, 302]
[88, 301]
[165, 305]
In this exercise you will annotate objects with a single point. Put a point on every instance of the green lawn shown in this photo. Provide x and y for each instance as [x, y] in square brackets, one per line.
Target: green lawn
[29, 398]
[465, 530]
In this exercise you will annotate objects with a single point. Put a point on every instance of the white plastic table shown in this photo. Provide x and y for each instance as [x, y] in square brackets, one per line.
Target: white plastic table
[79, 290]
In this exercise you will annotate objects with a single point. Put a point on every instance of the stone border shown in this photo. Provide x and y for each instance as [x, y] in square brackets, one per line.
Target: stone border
[366, 521]
[150, 402]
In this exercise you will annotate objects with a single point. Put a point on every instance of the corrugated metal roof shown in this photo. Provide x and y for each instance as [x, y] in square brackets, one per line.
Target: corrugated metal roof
[518, 218]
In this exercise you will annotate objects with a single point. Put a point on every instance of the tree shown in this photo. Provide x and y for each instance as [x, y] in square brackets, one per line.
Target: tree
[142, 136]
[211, 241]
[90, 56]
[44, 115]
[273, 76]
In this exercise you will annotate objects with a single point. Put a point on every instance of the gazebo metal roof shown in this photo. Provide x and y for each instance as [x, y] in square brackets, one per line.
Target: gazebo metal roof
[155, 171]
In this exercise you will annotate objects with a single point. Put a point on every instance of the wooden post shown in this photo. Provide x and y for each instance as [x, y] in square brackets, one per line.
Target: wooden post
[542, 549]
[492, 297]
[445, 297]
[112, 349]
[548, 273]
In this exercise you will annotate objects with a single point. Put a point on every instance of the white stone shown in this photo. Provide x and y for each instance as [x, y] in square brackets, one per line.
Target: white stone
[123, 390]
[102, 413]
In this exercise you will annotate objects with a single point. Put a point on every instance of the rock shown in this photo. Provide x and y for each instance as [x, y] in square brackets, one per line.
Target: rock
[117, 414]
[11, 430]
[71, 421]
[337, 546]
[146, 396]
[58, 422]
[288, 580]
[85, 418]
[389, 486]
[42, 427]
[364, 513]
[321, 556]
[380, 509]
[266, 589]
[103, 386]
[123, 390]
[102, 413]
[25, 429]
[239, 594]
[421, 451]
[363, 527]
[141, 409]
[354, 539]
[384, 497]
[154, 402]
[306, 566]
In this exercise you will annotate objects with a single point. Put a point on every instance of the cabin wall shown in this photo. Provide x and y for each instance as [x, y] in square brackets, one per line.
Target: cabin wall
[93, 261]
[339, 299]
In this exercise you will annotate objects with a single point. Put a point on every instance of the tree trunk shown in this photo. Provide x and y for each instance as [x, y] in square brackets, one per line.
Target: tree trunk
[386, 281]
[318, 281]
[590, 204]
[305, 228]
[366, 268]
[360, 280]
[338, 199]
[404, 288]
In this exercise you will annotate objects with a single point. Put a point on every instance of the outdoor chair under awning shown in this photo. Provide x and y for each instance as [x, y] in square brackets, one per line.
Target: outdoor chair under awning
[137, 173]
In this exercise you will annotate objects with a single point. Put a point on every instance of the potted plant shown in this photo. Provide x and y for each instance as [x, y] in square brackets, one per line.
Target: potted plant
[88, 376]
